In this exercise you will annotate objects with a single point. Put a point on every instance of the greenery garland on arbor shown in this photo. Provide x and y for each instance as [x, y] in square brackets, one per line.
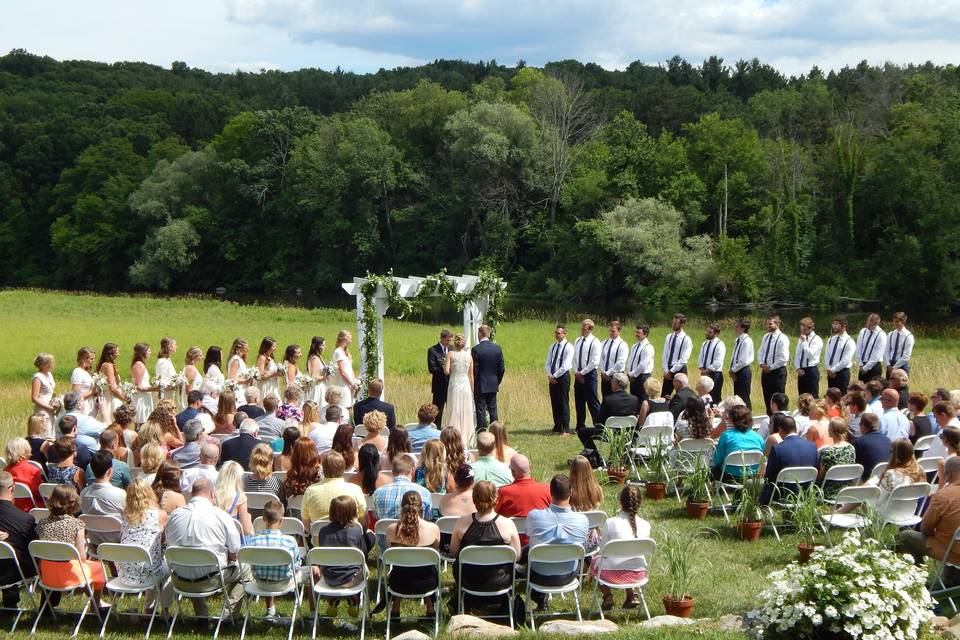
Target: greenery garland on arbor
[489, 285]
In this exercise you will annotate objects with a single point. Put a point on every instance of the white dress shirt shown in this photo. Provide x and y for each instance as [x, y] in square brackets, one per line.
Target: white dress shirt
[894, 424]
[559, 359]
[742, 352]
[676, 351]
[899, 348]
[201, 525]
[640, 361]
[196, 472]
[808, 352]
[840, 349]
[613, 355]
[774, 350]
[871, 346]
[586, 354]
[712, 354]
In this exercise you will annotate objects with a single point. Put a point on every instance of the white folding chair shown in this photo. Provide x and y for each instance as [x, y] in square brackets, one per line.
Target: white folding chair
[315, 527]
[369, 501]
[487, 556]
[646, 439]
[930, 464]
[659, 419]
[554, 554]
[446, 525]
[620, 422]
[944, 591]
[865, 496]
[136, 473]
[115, 553]
[412, 557]
[746, 462]
[40, 513]
[49, 551]
[903, 503]
[338, 557]
[380, 530]
[46, 489]
[619, 551]
[797, 477]
[23, 492]
[878, 469]
[687, 453]
[521, 524]
[922, 444]
[841, 474]
[280, 475]
[100, 529]
[757, 422]
[269, 557]
[43, 472]
[294, 504]
[288, 526]
[257, 501]
[184, 558]
[29, 584]
[435, 499]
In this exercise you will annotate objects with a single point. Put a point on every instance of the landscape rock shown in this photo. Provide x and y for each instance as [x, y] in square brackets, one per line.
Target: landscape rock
[954, 621]
[729, 622]
[942, 622]
[472, 626]
[574, 628]
[665, 621]
[413, 634]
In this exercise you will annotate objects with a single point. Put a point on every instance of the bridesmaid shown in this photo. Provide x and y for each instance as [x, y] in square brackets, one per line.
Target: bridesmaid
[211, 368]
[290, 357]
[164, 369]
[237, 364]
[112, 395]
[194, 379]
[81, 381]
[316, 370]
[269, 371]
[143, 397]
[42, 386]
[343, 368]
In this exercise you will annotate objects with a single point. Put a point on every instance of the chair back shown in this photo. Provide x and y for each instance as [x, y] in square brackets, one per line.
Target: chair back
[101, 524]
[46, 489]
[190, 558]
[23, 492]
[43, 472]
[266, 439]
[563, 553]
[797, 475]
[757, 422]
[56, 552]
[696, 446]
[742, 459]
[626, 549]
[288, 526]
[315, 527]
[844, 473]
[595, 519]
[381, 527]
[930, 464]
[904, 501]
[266, 557]
[659, 419]
[119, 552]
[294, 503]
[435, 499]
[7, 552]
[370, 502]
[488, 555]
[447, 523]
[40, 513]
[136, 473]
[865, 495]
[620, 422]
[336, 557]
[280, 475]
[879, 469]
[411, 557]
[257, 500]
[521, 523]
[923, 443]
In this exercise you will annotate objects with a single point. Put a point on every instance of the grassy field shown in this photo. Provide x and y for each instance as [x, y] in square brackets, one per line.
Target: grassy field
[730, 573]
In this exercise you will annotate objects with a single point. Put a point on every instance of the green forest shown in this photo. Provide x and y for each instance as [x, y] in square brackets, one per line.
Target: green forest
[677, 182]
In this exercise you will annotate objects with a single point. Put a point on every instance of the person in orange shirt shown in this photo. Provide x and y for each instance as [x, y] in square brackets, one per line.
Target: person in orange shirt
[939, 522]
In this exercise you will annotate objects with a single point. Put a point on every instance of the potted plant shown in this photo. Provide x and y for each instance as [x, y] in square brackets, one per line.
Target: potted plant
[696, 487]
[657, 475]
[618, 448]
[806, 519]
[677, 549]
[748, 515]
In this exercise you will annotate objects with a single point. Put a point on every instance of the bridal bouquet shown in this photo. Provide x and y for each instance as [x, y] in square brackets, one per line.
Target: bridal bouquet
[56, 403]
[128, 389]
[304, 382]
[251, 375]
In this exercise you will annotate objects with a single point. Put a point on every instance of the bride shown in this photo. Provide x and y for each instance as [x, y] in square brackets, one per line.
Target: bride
[460, 412]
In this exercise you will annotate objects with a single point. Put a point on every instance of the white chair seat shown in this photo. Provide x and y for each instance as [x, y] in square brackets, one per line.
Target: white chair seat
[620, 585]
[120, 585]
[573, 585]
[846, 520]
[321, 588]
[912, 521]
[255, 587]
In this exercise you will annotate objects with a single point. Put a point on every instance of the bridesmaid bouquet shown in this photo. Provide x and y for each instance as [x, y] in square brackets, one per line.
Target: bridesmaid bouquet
[56, 403]
[251, 375]
[233, 385]
[178, 380]
[328, 371]
[128, 389]
[304, 382]
[99, 381]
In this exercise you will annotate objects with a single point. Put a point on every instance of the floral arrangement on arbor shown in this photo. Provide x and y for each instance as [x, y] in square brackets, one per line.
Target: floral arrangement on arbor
[857, 589]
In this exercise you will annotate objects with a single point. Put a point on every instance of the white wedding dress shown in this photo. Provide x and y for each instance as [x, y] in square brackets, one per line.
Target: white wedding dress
[460, 411]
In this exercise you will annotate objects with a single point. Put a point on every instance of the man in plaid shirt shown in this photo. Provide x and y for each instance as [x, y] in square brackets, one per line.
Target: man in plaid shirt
[386, 499]
[271, 537]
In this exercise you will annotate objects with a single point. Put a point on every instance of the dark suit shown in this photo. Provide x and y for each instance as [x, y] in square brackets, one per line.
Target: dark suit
[615, 404]
[238, 449]
[369, 404]
[253, 411]
[872, 449]
[187, 414]
[678, 401]
[488, 370]
[22, 528]
[794, 451]
[439, 380]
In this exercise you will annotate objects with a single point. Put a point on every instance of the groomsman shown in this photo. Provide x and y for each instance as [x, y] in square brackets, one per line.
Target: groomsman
[774, 356]
[710, 360]
[899, 345]
[640, 362]
[439, 380]
[676, 351]
[613, 357]
[871, 346]
[740, 370]
[807, 359]
[839, 356]
[558, 365]
[586, 357]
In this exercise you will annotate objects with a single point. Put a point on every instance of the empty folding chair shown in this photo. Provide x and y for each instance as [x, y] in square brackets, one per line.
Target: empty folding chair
[864, 496]
[260, 557]
[48, 551]
[747, 462]
[564, 554]
[620, 422]
[688, 453]
[839, 476]
[922, 444]
[487, 556]
[29, 584]
[192, 565]
[412, 558]
[619, 551]
[903, 504]
[133, 554]
[339, 557]
[648, 438]
[789, 481]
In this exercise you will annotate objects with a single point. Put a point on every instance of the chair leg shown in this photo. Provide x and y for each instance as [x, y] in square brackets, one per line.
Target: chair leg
[246, 617]
[293, 616]
[176, 613]
[83, 614]
[530, 612]
[45, 600]
[153, 615]
[316, 615]
[436, 614]
[389, 612]
[113, 605]
[364, 605]
[643, 599]
[576, 604]
[510, 597]
[223, 614]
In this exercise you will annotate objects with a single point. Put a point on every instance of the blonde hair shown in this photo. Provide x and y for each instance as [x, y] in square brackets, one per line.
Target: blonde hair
[261, 460]
[342, 335]
[42, 360]
[653, 387]
[37, 426]
[229, 484]
[499, 431]
[18, 449]
[374, 421]
[311, 412]
[238, 343]
[140, 499]
[433, 459]
[333, 395]
[150, 432]
[585, 491]
[151, 457]
[459, 342]
[193, 354]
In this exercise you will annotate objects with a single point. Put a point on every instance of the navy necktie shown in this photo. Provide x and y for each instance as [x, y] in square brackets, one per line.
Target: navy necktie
[673, 342]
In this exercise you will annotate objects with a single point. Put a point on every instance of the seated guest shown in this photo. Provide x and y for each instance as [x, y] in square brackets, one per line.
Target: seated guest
[874, 389]
[84, 446]
[585, 492]
[412, 530]
[311, 418]
[304, 468]
[902, 469]
[20, 529]
[201, 525]
[270, 424]
[432, 471]
[126, 429]
[316, 500]
[252, 408]
[704, 386]
[484, 528]
[368, 476]
[208, 409]
[38, 437]
[333, 396]
[239, 448]
[149, 434]
[899, 382]
[524, 494]
[779, 403]
[801, 416]
[502, 450]
[322, 435]
[205, 468]
[793, 451]
[398, 443]
[819, 430]
[194, 402]
[343, 444]
[839, 451]
[872, 447]
[921, 424]
[226, 409]
[856, 405]
[87, 425]
[374, 422]
[65, 470]
[723, 410]
[24, 472]
[120, 477]
[163, 416]
[425, 430]
[166, 486]
[290, 437]
[776, 436]
[271, 537]
[290, 409]
[739, 437]
[557, 524]
[950, 441]
[487, 467]
[151, 457]
[833, 400]
[228, 495]
[682, 391]
[943, 417]
[627, 525]
[617, 403]
[459, 501]
[102, 498]
[261, 478]
[693, 422]
[142, 525]
[655, 402]
[189, 454]
[893, 424]
[939, 523]
[386, 499]
[373, 403]
[344, 531]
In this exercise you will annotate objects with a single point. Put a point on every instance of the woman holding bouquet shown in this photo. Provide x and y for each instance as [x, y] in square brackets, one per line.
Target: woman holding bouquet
[343, 375]
[317, 370]
[81, 381]
[211, 368]
[269, 372]
[42, 386]
[292, 375]
[166, 372]
[237, 365]
[192, 378]
[143, 396]
[113, 395]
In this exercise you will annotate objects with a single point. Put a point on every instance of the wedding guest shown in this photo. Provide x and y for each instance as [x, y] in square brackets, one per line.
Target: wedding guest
[85, 446]
[206, 468]
[343, 444]
[271, 537]
[704, 391]
[373, 403]
[374, 422]
[189, 454]
[142, 525]
[271, 424]
[43, 385]
[86, 425]
[939, 525]
[801, 416]
[229, 495]
[725, 423]
[38, 437]
[386, 499]
[654, 403]
[627, 525]
[126, 430]
[318, 496]
[872, 447]
[100, 497]
[81, 381]
[838, 451]
[24, 472]
[368, 476]
[113, 395]
[432, 471]
[304, 468]
[921, 424]
[194, 402]
[819, 430]
[856, 405]
[693, 422]
[170, 432]
[120, 477]
[251, 397]
[65, 470]
[398, 443]
[425, 429]
[164, 369]
[334, 397]
[344, 531]
[149, 434]
[502, 450]
[290, 437]
[740, 437]
[226, 408]
[151, 457]
[322, 434]
[411, 530]
[486, 466]
[239, 448]
[20, 529]
[834, 403]
[585, 491]
[902, 468]
[290, 409]
[950, 439]
[893, 424]
[317, 369]
[900, 382]
[459, 500]
[453, 445]
[166, 486]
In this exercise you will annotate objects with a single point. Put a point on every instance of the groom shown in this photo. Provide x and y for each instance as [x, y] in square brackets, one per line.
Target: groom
[488, 368]
[438, 386]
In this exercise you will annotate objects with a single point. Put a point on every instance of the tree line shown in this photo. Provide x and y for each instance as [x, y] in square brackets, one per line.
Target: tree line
[657, 183]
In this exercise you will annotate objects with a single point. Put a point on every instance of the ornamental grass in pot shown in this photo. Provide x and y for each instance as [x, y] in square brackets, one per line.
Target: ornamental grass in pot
[677, 551]
[657, 475]
[696, 487]
[748, 515]
[806, 518]
[618, 448]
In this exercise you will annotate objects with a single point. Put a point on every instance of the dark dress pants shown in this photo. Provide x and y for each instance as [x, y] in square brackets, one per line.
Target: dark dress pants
[840, 380]
[667, 390]
[560, 403]
[585, 398]
[773, 382]
[809, 382]
[485, 403]
[717, 392]
[742, 385]
[636, 387]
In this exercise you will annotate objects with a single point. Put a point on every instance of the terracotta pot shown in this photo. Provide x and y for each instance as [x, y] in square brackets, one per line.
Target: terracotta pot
[680, 608]
[617, 475]
[656, 490]
[805, 551]
[697, 510]
[750, 530]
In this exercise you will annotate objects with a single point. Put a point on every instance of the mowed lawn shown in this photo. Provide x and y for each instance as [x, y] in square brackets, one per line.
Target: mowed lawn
[728, 573]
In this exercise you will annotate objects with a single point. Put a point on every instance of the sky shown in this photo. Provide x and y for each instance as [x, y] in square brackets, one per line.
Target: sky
[366, 35]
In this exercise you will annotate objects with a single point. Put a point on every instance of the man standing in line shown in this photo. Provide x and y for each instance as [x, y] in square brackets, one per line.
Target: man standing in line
[676, 351]
[558, 364]
[586, 359]
[871, 346]
[899, 345]
[840, 349]
[640, 362]
[488, 370]
[710, 360]
[613, 357]
[807, 359]
[774, 355]
[740, 370]
[436, 355]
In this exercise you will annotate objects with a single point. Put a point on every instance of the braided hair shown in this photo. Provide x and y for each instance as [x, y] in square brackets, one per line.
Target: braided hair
[408, 524]
[630, 500]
